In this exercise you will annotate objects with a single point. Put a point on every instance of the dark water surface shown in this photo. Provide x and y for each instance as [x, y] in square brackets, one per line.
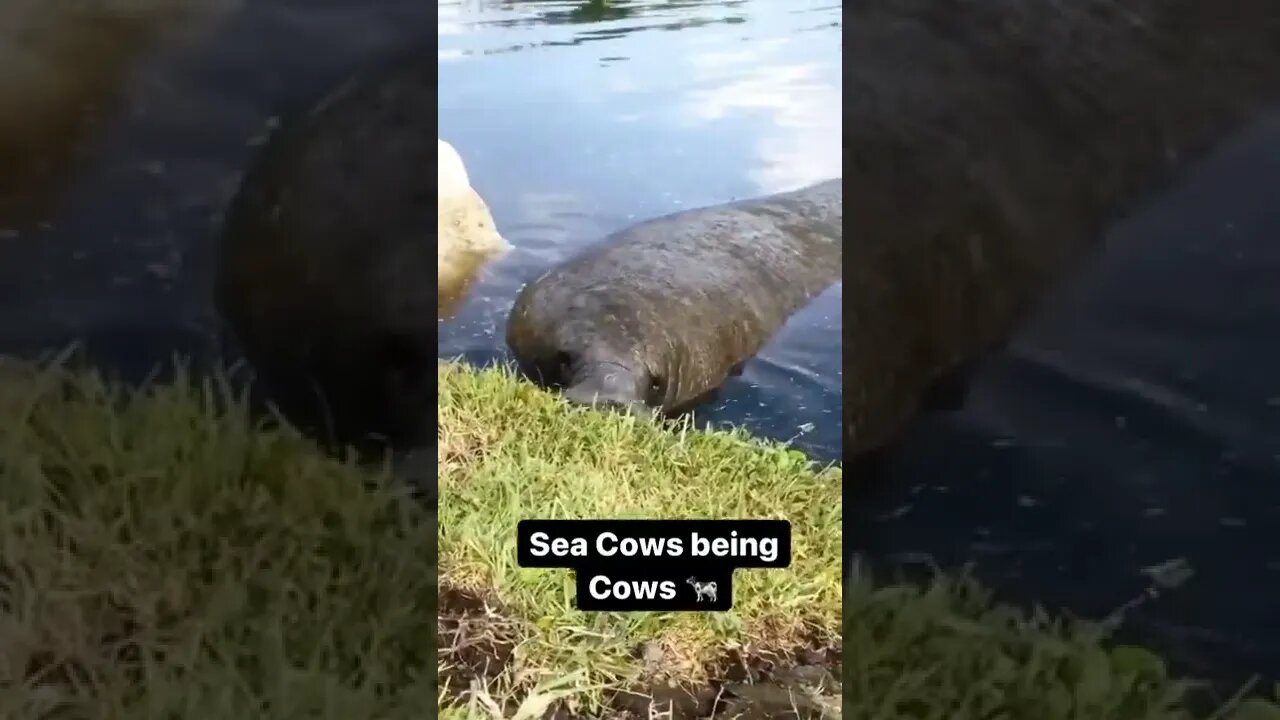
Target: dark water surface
[574, 124]
[122, 260]
[1137, 422]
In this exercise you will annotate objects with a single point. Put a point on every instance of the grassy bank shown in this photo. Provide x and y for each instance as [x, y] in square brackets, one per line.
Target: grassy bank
[508, 451]
[946, 652]
[161, 556]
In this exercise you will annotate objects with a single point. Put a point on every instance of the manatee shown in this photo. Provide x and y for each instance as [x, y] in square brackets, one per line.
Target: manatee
[63, 67]
[466, 236]
[988, 145]
[322, 268]
[456, 280]
[659, 314]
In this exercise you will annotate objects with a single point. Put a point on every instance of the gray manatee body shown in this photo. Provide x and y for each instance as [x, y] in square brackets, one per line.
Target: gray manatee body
[661, 313]
[988, 145]
[326, 258]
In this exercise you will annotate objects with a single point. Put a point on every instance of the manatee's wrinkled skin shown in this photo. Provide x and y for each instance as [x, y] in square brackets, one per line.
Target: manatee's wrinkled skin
[325, 266]
[989, 143]
[659, 314]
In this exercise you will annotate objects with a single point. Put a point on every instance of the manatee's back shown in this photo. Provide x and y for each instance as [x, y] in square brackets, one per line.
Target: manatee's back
[990, 142]
[323, 258]
[465, 230]
[338, 199]
[704, 288]
[451, 173]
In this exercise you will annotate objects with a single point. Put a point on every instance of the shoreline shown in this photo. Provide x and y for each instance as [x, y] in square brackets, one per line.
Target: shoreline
[177, 554]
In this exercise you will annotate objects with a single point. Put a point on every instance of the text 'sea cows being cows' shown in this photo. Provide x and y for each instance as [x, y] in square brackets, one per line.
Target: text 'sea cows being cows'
[988, 143]
[323, 275]
[660, 313]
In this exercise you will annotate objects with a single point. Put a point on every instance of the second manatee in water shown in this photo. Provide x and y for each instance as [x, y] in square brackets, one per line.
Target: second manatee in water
[466, 236]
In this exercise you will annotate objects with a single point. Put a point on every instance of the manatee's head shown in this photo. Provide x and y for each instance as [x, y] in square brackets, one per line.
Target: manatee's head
[608, 382]
[607, 374]
[569, 335]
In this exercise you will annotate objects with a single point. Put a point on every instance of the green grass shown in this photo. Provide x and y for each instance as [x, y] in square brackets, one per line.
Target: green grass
[162, 556]
[508, 451]
[159, 558]
[948, 652]
[943, 652]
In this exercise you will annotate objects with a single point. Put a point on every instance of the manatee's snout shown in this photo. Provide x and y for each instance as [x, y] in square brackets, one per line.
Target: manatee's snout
[606, 386]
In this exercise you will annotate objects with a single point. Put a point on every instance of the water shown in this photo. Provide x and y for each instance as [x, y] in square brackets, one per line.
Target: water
[574, 125]
[1136, 422]
[119, 257]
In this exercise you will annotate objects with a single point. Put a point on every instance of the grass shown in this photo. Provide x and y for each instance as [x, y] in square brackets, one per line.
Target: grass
[164, 556]
[508, 451]
[512, 645]
[949, 652]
